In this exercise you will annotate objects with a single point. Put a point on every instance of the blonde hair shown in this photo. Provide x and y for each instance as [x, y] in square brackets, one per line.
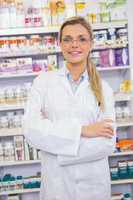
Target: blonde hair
[94, 76]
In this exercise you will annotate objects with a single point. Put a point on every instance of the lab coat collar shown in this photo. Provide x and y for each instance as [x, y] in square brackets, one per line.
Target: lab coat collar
[64, 72]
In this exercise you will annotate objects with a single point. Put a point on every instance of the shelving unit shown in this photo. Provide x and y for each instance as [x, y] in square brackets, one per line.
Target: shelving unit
[13, 55]
[117, 197]
[113, 68]
[125, 181]
[124, 123]
[126, 153]
[10, 132]
[8, 107]
[121, 97]
[23, 191]
[19, 75]
[34, 74]
[25, 76]
[55, 29]
[16, 163]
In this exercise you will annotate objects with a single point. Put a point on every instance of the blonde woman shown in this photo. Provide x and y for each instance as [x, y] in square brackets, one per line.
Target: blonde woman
[69, 117]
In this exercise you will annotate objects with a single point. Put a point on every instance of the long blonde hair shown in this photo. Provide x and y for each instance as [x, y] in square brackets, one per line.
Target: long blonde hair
[94, 76]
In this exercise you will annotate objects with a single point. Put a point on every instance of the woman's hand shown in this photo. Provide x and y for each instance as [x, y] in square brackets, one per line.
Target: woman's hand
[99, 129]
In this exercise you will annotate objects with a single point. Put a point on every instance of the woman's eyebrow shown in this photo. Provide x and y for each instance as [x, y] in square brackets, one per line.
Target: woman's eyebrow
[81, 35]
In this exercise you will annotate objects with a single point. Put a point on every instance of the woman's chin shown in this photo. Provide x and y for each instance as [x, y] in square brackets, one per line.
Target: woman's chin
[74, 61]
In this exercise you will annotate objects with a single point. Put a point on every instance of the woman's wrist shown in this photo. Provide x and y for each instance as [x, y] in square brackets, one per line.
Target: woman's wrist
[85, 131]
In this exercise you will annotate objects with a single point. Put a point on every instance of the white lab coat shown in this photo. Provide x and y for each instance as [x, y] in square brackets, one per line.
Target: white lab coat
[73, 167]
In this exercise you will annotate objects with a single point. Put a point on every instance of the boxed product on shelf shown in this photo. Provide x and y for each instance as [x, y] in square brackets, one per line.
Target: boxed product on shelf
[52, 62]
[1, 152]
[8, 66]
[19, 147]
[81, 8]
[53, 12]
[118, 11]
[70, 8]
[9, 154]
[130, 168]
[121, 56]
[123, 113]
[53, 8]
[40, 65]
[26, 150]
[61, 11]
[104, 12]
[24, 65]
[12, 183]
[104, 58]
[14, 94]
[46, 14]
[114, 173]
[30, 152]
[123, 170]
[125, 144]
[93, 11]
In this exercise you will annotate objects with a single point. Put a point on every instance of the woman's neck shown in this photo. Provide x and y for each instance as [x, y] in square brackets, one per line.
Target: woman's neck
[76, 70]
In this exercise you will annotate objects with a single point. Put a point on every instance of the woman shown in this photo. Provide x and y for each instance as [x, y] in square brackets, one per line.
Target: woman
[69, 117]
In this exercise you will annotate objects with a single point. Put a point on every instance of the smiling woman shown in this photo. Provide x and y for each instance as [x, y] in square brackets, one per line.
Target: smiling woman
[70, 118]
[75, 44]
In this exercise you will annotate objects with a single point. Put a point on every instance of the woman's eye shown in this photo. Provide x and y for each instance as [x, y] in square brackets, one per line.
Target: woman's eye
[83, 40]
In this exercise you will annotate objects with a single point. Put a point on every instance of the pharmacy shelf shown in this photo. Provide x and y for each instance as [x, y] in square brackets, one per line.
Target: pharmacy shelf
[122, 97]
[54, 51]
[124, 123]
[33, 74]
[22, 191]
[21, 106]
[55, 29]
[105, 25]
[4, 132]
[124, 181]
[117, 197]
[25, 54]
[102, 47]
[125, 153]
[6, 107]
[16, 163]
[30, 30]
[113, 68]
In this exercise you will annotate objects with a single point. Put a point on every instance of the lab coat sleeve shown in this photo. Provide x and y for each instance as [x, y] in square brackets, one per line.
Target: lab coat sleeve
[60, 137]
[92, 149]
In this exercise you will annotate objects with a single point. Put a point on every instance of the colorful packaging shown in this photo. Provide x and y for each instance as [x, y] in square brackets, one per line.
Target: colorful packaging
[24, 65]
[104, 58]
[114, 173]
[70, 8]
[80, 8]
[8, 66]
[121, 57]
[61, 14]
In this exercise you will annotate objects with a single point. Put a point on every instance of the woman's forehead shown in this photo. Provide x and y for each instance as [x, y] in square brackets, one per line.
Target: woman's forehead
[76, 30]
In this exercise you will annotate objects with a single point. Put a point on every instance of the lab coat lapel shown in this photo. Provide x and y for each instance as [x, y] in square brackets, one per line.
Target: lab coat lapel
[65, 82]
[83, 85]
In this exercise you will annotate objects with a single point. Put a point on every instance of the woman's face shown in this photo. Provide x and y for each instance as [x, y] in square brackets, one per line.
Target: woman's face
[75, 44]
